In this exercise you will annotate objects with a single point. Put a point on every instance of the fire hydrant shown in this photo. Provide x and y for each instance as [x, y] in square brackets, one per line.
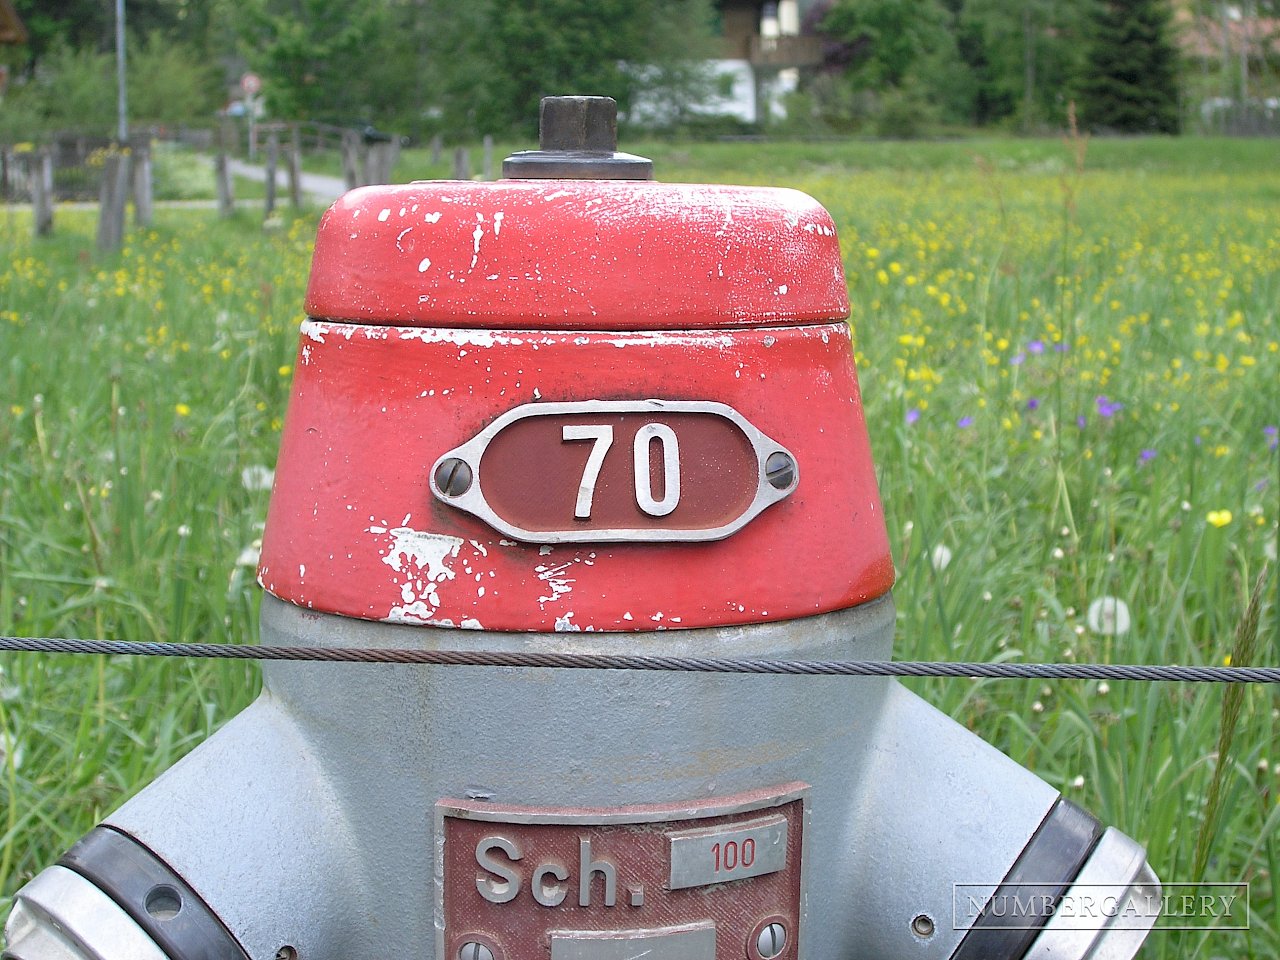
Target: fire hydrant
[577, 410]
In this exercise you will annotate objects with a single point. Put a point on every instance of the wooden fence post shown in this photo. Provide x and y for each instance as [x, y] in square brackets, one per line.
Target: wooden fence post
[41, 179]
[487, 165]
[437, 145]
[273, 157]
[114, 194]
[380, 161]
[6, 173]
[295, 168]
[461, 164]
[351, 159]
[143, 187]
[222, 177]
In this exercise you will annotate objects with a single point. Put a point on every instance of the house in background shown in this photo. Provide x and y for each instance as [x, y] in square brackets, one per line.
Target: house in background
[11, 28]
[1233, 59]
[12, 32]
[762, 52]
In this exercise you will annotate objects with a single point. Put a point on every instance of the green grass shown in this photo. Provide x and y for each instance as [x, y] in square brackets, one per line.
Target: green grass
[1069, 369]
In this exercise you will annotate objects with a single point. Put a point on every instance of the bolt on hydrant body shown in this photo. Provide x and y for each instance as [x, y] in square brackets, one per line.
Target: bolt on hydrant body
[577, 410]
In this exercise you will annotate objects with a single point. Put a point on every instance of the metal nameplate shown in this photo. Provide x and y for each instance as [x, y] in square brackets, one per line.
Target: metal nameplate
[697, 942]
[617, 470]
[593, 883]
[721, 854]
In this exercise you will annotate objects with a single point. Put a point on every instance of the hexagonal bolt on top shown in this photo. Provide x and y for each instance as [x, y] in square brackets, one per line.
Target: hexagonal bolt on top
[578, 123]
[577, 140]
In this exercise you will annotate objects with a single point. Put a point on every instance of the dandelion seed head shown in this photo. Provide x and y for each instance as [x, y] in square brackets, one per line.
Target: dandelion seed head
[257, 477]
[1108, 617]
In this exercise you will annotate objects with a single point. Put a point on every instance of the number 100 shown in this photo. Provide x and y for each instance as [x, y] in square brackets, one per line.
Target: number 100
[731, 855]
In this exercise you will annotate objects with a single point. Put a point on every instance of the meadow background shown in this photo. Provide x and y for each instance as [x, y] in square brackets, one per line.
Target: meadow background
[1070, 359]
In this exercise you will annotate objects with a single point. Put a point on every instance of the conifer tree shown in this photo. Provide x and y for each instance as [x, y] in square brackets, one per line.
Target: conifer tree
[1131, 77]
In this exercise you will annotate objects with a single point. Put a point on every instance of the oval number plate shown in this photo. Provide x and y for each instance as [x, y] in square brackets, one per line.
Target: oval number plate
[598, 470]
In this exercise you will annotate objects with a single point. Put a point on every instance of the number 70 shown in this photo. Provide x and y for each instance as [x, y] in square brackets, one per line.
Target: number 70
[601, 436]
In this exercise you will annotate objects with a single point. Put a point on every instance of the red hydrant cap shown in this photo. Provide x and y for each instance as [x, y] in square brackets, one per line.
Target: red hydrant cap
[575, 405]
[577, 254]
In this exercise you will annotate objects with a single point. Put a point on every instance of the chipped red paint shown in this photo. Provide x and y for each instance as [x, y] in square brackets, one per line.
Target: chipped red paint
[354, 528]
[577, 254]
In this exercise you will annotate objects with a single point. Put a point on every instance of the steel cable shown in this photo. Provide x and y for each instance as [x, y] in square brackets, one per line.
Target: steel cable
[600, 661]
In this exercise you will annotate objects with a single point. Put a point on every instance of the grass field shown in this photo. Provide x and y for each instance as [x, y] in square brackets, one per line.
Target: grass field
[1070, 357]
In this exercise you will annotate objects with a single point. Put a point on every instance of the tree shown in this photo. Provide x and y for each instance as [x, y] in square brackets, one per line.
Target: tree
[170, 82]
[90, 24]
[1131, 79]
[1026, 57]
[319, 58]
[496, 59]
[902, 62]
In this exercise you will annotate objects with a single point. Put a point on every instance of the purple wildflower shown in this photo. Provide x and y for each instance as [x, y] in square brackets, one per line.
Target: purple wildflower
[1107, 408]
[1017, 358]
[1036, 347]
[1061, 347]
[1273, 437]
[964, 422]
[913, 415]
[1147, 455]
[1033, 403]
[1081, 421]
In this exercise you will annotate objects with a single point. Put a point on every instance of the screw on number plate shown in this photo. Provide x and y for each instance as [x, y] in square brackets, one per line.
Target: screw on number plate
[780, 470]
[453, 477]
[772, 940]
[471, 950]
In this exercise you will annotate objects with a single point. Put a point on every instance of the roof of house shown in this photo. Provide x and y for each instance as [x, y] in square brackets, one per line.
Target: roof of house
[1202, 37]
[11, 27]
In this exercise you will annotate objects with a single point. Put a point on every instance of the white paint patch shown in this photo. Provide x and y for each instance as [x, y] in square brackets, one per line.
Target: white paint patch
[554, 576]
[459, 337]
[555, 196]
[382, 217]
[400, 236]
[565, 624]
[782, 289]
[314, 331]
[497, 222]
[432, 217]
[423, 264]
[476, 236]
[421, 559]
